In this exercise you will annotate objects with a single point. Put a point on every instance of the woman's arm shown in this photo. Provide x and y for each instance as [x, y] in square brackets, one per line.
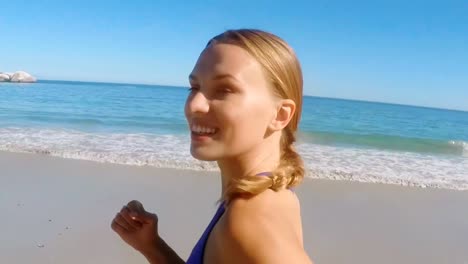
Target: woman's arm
[139, 229]
[162, 253]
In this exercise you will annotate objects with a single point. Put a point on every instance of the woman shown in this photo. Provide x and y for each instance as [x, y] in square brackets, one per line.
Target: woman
[243, 111]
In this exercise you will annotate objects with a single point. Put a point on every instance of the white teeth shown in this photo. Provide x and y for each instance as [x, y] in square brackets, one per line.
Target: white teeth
[205, 130]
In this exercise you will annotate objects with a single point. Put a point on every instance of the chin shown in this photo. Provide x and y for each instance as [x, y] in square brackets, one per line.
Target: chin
[202, 155]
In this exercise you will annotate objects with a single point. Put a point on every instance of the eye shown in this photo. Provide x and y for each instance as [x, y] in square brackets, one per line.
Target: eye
[224, 90]
[192, 89]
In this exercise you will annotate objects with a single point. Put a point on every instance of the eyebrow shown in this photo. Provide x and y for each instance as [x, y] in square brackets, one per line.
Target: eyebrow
[216, 77]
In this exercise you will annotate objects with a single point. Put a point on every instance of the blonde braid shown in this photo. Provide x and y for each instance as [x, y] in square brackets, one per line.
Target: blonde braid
[289, 173]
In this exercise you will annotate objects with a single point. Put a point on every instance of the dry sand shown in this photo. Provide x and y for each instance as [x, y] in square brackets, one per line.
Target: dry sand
[59, 211]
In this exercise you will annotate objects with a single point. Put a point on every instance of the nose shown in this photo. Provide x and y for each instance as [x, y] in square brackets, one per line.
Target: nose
[197, 104]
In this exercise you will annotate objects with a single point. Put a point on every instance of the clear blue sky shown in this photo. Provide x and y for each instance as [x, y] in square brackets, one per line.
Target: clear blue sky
[409, 52]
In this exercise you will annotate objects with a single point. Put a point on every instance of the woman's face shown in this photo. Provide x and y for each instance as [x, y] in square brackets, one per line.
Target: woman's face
[230, 105]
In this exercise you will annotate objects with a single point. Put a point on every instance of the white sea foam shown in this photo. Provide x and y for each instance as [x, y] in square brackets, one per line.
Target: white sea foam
[171, 151]
[462, 144]
[379, 166]
[131, 149]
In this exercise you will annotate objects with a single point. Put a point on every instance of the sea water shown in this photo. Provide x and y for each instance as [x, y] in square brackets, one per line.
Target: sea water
[145, 125]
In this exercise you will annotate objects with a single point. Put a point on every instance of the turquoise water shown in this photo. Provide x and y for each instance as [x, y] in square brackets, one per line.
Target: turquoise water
[145, 125]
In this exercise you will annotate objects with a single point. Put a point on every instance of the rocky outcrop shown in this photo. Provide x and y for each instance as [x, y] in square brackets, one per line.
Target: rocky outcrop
[4, 77]
[19, 76]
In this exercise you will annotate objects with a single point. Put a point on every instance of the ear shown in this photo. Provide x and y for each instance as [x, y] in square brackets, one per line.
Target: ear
[284, 112]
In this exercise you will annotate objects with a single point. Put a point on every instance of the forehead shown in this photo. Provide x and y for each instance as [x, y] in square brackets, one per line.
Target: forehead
[227, 59]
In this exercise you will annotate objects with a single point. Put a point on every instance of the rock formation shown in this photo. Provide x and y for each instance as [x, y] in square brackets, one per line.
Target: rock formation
[19, 76]
[4, 77]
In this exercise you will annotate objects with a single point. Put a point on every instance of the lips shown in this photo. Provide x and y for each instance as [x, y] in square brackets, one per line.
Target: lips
[203, 129]
[200, 128]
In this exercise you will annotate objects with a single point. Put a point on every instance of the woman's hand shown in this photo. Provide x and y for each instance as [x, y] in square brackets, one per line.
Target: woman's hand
[137, 227]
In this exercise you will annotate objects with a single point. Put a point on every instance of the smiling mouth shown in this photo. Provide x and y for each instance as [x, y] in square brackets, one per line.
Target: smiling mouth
[206, 134]
[201, 130]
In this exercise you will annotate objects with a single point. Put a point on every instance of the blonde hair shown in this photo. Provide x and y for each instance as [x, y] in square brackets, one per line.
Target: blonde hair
[283, 70]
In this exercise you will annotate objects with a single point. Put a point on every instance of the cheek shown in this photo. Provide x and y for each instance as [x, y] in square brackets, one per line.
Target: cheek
[245, 126]
[186, 108]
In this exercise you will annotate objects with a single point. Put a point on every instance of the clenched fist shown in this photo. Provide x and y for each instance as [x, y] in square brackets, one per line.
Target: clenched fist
[137, 227]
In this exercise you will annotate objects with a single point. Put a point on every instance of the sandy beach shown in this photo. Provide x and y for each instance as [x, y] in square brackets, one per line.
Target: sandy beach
[59, 211]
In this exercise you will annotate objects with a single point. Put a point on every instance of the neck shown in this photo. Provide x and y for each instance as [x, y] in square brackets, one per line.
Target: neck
[262, 158]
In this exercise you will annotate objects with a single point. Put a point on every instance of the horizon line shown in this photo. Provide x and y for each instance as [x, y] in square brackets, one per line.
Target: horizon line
[309, 95]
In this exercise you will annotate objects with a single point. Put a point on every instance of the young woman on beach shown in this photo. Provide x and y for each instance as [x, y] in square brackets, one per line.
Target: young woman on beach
[243, 111]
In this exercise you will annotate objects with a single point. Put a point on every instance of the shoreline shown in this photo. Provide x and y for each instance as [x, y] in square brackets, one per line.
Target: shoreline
[322, 162]
[343, 221]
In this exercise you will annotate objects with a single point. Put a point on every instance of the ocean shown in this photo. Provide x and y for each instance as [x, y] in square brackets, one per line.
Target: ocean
[145, 125]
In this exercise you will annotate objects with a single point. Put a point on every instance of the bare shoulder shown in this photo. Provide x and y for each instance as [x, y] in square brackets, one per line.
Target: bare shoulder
[263, 229]
[269, 205]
